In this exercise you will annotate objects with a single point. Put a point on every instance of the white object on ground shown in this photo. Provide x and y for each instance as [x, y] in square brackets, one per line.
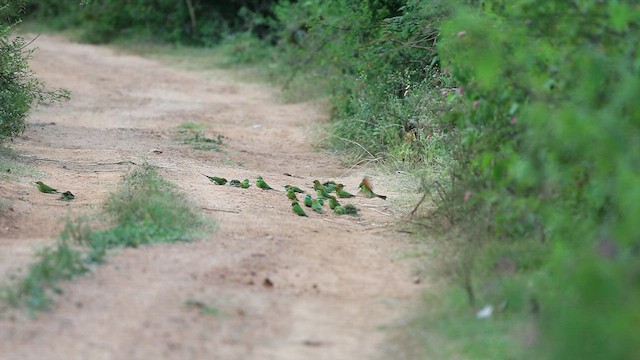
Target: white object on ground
[485, 312]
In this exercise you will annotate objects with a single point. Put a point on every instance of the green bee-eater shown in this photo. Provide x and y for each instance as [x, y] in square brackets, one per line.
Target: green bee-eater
[297, 209]
[294, 188]
[329, 185]
[67, 196]
[262, 185]
[245, 184]
[347, 209]
[333, 202]
[235, 183]
[341, 193]
[291, 195]
[367, 189]
[351, 209]
[217, 180]
[308, 201]
[315, 206]
[320, 190]
[45, 188]
[322, 193]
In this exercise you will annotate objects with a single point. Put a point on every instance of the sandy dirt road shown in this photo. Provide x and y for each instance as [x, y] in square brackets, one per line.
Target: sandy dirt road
[337, 281]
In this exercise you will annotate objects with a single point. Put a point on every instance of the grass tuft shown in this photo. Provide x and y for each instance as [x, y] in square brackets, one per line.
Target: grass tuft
[10, 168]
[145, 209]
[55, 263]
[194, 134]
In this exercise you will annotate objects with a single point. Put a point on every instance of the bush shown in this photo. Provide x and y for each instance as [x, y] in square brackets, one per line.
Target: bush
[148, 209]
[19, 89]
[377, 59]
[549, 152]
[188, 22]
[55, 264]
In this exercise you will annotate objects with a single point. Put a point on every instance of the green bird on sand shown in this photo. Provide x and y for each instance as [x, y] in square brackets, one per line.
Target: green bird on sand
[333, 202]
[330, 185]
[342, 193]
[321, 201]
[297, 209]
[315, 206]
[323, 194]
[308, 201]
[294, 188]
[367, 189]
[67, 196]
[348, 209]
[351, 209]
[291, 195]
[217, 180]
[45, 188]
[235, 183]
[320, 190]
[245, 184]
[262, 184]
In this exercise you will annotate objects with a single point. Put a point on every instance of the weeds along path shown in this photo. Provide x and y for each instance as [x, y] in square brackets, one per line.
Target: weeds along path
[266, 285]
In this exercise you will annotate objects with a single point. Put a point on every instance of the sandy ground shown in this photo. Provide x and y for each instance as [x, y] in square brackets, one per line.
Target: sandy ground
[337, 281]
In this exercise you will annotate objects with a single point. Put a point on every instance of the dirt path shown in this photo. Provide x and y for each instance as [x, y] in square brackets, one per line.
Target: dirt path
[336, 281]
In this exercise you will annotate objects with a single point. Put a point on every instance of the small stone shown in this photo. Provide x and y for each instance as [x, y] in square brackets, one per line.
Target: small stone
[485, 312]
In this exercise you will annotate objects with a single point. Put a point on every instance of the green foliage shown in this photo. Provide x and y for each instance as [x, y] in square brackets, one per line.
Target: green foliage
[147, 209]
[548, 151]
[454, 332]
[15, 92]
[378, 60]
[594, 295]
[54, 264]
[19, 89]
[193, 22]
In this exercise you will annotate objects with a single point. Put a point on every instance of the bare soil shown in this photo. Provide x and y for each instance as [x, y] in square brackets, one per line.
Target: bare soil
[285, 287]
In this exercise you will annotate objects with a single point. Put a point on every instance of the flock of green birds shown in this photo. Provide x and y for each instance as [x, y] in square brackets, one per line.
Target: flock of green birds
[65, 196]
[323, 191]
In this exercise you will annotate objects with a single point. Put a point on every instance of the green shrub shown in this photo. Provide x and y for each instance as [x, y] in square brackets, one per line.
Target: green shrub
[187, 22]
[377, 59]
[145, 209]
[548, 152]
[54, 264]
[19, 89]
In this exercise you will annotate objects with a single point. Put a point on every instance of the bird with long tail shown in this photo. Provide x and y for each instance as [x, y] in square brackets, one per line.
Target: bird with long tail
[366, 188]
